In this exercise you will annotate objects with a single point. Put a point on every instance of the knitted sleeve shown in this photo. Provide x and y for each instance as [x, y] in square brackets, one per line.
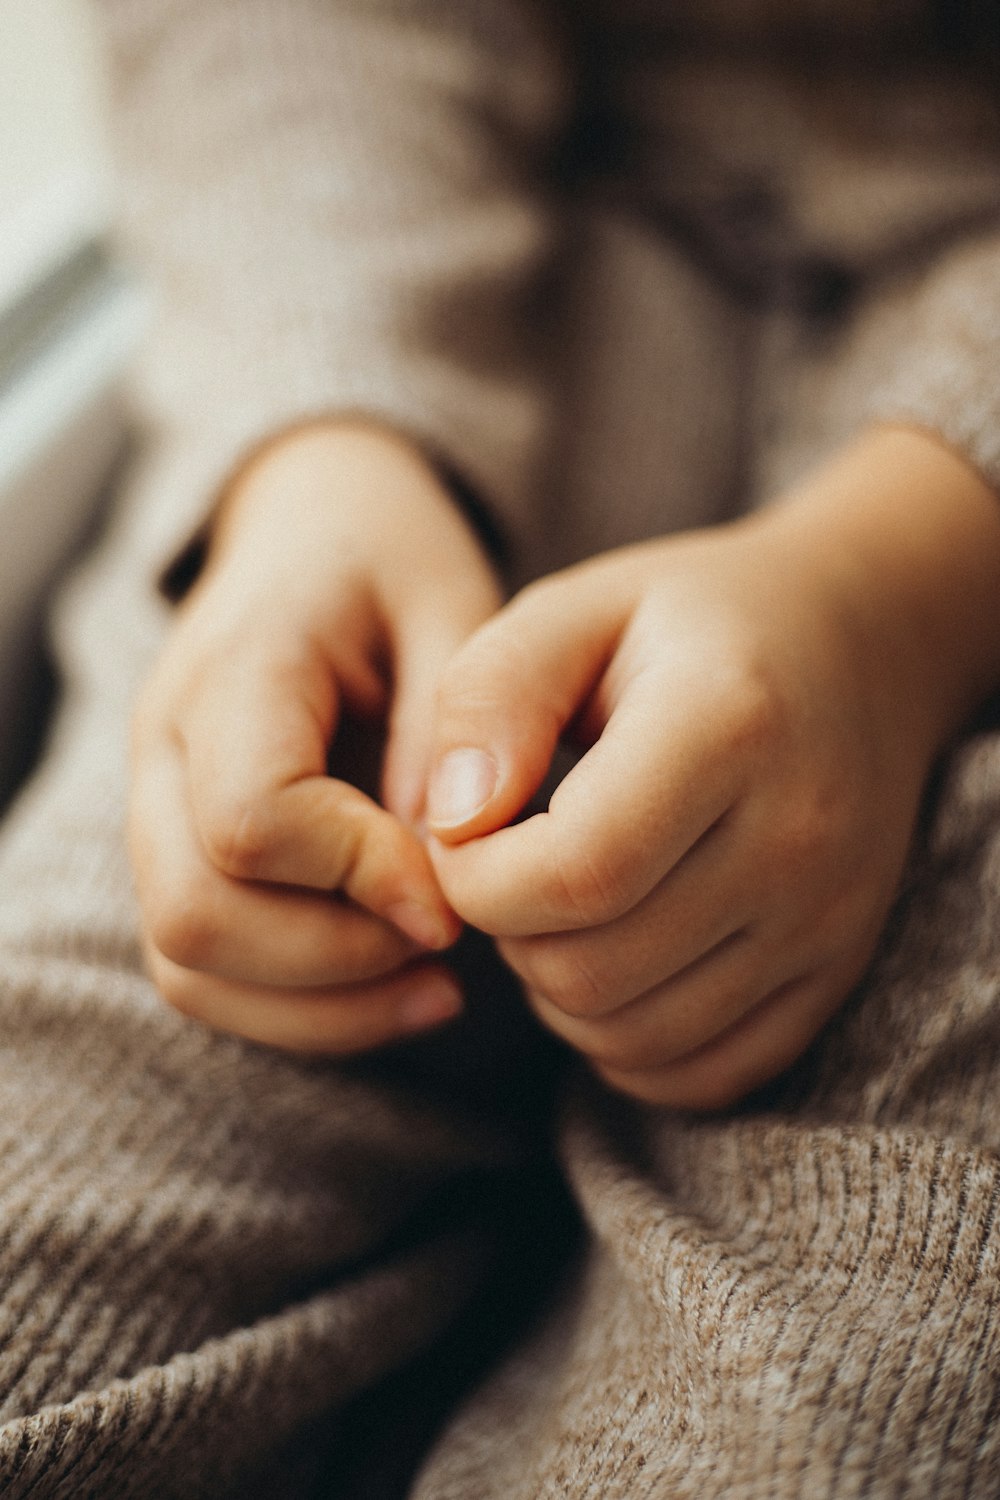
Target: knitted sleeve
[944, 370]
[341, 207]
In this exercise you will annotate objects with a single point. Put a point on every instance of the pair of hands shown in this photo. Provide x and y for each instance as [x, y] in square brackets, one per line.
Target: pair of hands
[759, 706]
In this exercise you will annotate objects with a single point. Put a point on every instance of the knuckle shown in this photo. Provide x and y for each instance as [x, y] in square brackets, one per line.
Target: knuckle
[362, 860]
[591, 884]
[757, 711]
[468, 679]
[182, 928]
[806, 830]
[456, 676]
[472, 691]
[569, 979]
[752, 714]
[493, 667]
[239, 837]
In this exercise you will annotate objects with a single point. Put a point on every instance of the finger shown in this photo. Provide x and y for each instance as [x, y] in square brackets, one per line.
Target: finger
[435, 629]
[507, 696]
[247, 933]
[591, 972]
[662, 774]
[762, 1045]
[677, 1017]
[329, 1023]
[264, 809]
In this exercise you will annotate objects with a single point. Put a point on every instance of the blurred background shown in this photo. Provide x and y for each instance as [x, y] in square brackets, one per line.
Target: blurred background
[69, 321]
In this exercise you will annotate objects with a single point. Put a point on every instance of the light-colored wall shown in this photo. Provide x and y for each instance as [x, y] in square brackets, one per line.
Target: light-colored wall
[62, 351]
[54, 179]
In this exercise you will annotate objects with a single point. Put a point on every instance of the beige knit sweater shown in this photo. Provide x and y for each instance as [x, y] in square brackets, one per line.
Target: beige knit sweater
[621, 267]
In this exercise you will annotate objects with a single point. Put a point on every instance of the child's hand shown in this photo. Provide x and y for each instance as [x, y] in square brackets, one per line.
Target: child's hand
[278, 902]
[762, 703]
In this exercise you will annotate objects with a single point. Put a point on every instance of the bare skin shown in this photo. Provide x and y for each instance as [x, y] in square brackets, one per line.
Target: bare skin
[762, 704]
[280, 902]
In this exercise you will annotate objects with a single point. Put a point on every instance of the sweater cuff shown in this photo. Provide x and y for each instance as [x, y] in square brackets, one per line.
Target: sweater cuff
[945, 375]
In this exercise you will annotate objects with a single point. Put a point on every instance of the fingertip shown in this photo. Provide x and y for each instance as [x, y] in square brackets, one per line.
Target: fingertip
[436, 997]
[429, 926]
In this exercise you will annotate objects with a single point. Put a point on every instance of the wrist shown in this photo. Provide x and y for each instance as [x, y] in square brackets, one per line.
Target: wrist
[345, 493]
[321, 469]
[907, 533]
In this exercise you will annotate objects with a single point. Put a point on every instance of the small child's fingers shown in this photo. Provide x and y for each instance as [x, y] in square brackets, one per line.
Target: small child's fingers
[662, 774]
[759, 1047]
[509, 693]
[325, 835]
[675, 1018]
[322, 1022]
[590, 972]
[425, 639]
[264, 808]
[241, 931]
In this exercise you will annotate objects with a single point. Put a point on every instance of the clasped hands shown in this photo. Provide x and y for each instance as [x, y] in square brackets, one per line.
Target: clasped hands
[706, 884]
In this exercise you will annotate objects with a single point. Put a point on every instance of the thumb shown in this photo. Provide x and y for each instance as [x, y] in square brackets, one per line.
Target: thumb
[506, 698]
[421, 652]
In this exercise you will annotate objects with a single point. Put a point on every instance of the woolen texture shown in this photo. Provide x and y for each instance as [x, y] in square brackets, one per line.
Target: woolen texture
[621, 269]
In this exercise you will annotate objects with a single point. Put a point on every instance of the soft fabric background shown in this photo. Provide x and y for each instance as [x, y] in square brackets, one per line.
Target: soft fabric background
[209, 1252]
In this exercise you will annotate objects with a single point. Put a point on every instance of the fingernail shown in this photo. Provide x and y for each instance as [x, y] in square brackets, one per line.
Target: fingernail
[431, 1001]
[463, 781]
[421, 923]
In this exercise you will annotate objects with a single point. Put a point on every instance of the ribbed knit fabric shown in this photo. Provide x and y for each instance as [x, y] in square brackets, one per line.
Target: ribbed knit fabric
[207, 1249]
[205, 1244]
[804, 1300]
